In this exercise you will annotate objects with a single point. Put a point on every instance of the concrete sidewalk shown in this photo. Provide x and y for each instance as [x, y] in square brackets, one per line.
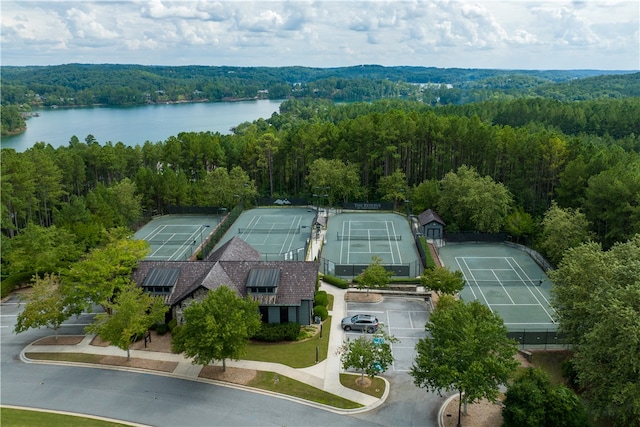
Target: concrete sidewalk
[324, 375]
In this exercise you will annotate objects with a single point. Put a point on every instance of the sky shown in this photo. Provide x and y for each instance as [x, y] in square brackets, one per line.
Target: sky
[509, 34]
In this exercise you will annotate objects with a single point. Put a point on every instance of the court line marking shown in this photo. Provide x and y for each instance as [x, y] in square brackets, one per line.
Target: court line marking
[503, 288]
[474, 279]
[529, 288]
[530, 280]
[527, 283]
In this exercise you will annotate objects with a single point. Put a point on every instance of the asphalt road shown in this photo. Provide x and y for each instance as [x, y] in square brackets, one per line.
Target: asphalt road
[165, 401]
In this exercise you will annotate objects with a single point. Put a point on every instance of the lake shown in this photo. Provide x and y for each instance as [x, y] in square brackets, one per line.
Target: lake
[136, 125]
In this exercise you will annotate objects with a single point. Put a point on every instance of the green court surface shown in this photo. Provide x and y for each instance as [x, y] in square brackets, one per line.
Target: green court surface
[505, 279]
[176, 237]
[279, 234]
[353, 239]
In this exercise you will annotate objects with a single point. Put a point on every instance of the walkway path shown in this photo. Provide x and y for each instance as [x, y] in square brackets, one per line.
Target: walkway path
[324, 375]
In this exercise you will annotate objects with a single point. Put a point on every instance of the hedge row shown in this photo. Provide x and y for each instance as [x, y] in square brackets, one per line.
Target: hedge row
[336, 281]
[273, 332]
[429, 262]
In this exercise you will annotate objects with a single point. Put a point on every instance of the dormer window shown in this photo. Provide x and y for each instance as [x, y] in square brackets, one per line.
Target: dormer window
[263, 280]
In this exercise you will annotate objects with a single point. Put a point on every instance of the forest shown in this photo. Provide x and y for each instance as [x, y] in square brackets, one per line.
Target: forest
[117, 84]
[553, 163]
[580, 155]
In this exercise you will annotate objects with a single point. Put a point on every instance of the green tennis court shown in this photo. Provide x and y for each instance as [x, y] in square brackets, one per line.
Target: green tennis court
[176, 237]
[279, 234]
[353, 239]
[505, 279]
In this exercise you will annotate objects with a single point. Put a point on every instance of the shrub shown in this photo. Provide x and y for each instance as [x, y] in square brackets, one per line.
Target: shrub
[274, 332]
[13, 282]
[162, 328]
[336, 281]
[533, 401]
[321, 298]
[429, 262]
[172, 325]
[320, 311]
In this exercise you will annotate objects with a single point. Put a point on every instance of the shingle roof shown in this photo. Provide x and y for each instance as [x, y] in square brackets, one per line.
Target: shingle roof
[429, 216]
[233, 250]
[297, 279]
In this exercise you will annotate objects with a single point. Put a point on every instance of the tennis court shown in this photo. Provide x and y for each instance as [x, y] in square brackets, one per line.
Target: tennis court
[506, 280]
[352, 240]
[279, 234]
[176, 237]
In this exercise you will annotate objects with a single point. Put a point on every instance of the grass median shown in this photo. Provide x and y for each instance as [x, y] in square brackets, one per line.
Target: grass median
[298, 354]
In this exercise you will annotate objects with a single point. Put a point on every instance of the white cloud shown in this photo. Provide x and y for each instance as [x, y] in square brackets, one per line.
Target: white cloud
[444, 33]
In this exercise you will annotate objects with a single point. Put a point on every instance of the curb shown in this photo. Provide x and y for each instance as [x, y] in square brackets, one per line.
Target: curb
[328, 408]
[75, 414]
[442, 409]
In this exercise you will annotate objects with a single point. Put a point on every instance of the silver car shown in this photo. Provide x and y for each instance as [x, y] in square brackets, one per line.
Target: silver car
[360, 322]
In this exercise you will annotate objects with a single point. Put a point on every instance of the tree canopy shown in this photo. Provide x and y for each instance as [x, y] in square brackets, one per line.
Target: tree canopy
[217, 327]
[131, 313]
[374, 276]
[467, 350]
[596, 296]
[441, 279]
[45, 305]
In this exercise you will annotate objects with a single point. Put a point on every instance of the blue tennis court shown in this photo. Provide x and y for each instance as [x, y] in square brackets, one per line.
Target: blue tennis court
[176, 237]
[353, 239]
[279, 234]
[505, 279]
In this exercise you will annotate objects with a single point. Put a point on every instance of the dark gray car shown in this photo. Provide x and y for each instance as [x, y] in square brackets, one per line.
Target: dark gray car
[360, 322]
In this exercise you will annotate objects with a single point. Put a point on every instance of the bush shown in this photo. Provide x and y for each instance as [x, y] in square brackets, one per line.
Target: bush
[321, 298]
[274, 332]
[336, 281]
[172, 325]
[13, 282]
[533, 401]
[320, 311]
[429, 262]
[162, 328]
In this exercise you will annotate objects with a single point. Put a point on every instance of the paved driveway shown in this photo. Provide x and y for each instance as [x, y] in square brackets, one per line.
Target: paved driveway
[404, 318]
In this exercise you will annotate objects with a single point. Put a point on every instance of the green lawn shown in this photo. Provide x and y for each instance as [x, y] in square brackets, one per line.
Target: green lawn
[376, 389]
[297, 354]
[277, 383]
[21, 417]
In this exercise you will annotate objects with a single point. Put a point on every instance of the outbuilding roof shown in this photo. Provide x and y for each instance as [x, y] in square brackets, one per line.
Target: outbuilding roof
[429, 216]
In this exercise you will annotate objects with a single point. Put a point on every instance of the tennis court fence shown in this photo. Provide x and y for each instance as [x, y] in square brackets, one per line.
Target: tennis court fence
[352, 271]
[540, 338]
[347, 237]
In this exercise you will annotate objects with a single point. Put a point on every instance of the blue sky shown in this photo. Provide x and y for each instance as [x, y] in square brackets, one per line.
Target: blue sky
[512, 34]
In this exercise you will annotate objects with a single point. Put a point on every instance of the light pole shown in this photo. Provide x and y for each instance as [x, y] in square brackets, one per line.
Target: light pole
[408, 202]
[201, 241]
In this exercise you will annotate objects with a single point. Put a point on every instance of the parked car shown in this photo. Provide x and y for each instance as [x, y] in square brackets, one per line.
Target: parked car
[360, 322]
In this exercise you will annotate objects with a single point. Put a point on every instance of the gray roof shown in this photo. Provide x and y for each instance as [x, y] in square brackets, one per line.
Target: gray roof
[234, 250]
[296, 281]
[429, 216]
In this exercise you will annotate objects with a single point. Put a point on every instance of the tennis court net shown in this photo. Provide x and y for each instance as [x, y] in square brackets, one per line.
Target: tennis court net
[369, 237]
[274, 230]
[173, 242]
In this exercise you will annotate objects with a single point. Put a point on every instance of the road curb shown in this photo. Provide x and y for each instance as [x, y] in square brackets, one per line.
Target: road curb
[442, 409]
[327, 408]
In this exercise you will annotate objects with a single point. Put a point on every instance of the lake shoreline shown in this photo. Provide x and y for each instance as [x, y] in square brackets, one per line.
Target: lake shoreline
[137, 124]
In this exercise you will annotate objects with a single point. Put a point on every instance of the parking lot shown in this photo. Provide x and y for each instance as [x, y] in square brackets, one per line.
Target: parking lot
[404, 318]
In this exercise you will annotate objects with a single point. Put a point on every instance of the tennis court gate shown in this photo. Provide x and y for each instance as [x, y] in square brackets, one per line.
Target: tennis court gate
[543, 338]
[353, 270]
